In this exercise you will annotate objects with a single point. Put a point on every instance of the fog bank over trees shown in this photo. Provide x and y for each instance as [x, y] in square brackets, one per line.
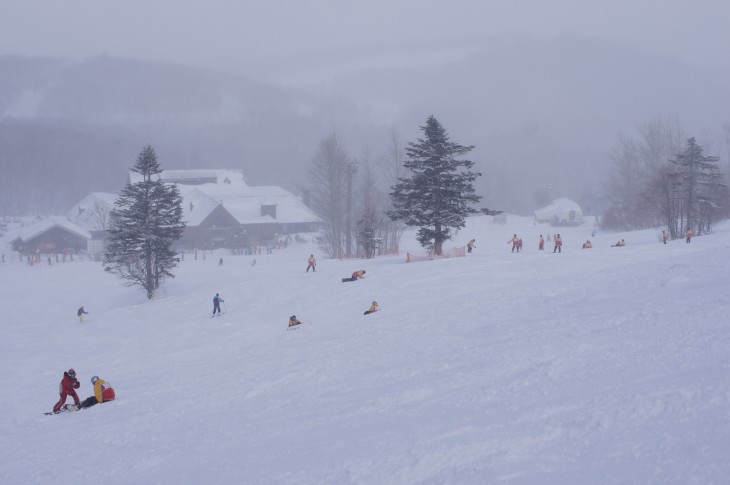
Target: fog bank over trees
[543, 114]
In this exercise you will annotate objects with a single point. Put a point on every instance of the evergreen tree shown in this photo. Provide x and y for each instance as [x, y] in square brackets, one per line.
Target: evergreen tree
[700, 184]
[366, 232]
[145, 223]
[437, 195]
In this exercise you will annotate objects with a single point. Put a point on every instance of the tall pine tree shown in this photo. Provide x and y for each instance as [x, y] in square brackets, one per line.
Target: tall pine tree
[437, 195]
[145, 223]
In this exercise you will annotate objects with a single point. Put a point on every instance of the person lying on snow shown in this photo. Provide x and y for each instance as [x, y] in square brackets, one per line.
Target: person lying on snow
[356, 275]
[103, 392]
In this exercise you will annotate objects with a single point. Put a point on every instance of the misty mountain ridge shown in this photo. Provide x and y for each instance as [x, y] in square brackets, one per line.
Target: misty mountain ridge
[540, 112]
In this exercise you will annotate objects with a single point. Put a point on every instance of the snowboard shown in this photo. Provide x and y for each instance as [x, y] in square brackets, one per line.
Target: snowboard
[66, 408]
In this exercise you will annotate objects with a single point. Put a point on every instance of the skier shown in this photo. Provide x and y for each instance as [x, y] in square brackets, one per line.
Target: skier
[103, 392]
[665, 236]
[514, 242]
[311, 263]
[689, 235]
[373, 308]
[541, 244]
[355, 276]
[470, 245]
[558, 244]
[293, 321]
[81, 312]
[66, 388]
[217, 303]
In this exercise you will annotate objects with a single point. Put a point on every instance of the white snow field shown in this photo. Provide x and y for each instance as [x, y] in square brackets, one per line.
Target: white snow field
[607, 365]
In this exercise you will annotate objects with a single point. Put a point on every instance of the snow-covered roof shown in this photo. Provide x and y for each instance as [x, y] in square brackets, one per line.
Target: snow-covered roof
[559, 207]
[84, 213]
[49, 223]
[206, 189]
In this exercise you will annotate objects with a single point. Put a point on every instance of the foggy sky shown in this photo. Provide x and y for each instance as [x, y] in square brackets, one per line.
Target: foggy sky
[273, 38]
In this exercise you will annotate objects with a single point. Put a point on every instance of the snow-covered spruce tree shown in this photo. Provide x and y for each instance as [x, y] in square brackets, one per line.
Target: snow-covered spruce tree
[437, 195]
[700, 183]
[145, 223]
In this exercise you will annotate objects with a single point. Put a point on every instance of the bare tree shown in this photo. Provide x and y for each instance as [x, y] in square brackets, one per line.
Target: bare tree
[393, 169]
[100, 217]
[329, 177]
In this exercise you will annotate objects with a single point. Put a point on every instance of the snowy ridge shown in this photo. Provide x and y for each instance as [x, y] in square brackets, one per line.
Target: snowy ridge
[607, 365]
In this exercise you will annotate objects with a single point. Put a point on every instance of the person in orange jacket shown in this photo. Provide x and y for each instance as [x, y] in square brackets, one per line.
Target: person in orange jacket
[355, 276]
[558, 244]
[68, 387]
[471, 245]
[373, 308]
[689, 235]
[103, 392]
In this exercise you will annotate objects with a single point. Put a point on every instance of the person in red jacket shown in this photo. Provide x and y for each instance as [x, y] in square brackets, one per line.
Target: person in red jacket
[67, 388]
[103, 392]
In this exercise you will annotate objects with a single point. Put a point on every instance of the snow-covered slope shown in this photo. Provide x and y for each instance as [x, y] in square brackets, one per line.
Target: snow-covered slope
[607, 365]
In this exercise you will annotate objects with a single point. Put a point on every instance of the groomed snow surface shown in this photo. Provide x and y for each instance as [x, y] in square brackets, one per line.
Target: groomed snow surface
[607, 365]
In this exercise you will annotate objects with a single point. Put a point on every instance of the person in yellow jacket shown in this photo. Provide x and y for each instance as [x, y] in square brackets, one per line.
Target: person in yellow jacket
[103, 392]
[373, 308]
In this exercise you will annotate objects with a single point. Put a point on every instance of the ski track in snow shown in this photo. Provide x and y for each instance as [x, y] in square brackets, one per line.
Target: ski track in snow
[607, 365]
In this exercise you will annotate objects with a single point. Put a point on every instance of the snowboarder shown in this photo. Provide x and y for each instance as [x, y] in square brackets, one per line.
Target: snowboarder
[81, 312]
[311, 263]
[470, 245]
[373, 308]
[689, 235]
[514, 241]
[67, 388]
[355, 276]
[665, 236]
[541, 244]
[293, 321]
[217, 303]
[103, 392]
[558, 244]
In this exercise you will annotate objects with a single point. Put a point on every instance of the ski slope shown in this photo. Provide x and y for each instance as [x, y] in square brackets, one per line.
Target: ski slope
[608, 365]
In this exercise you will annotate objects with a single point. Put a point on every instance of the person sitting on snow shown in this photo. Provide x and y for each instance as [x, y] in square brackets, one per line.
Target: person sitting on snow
[103, 392]
[67, 388]
[373, 308]
[619, 244]
[355, 276]
[293, 321]
[587, 245]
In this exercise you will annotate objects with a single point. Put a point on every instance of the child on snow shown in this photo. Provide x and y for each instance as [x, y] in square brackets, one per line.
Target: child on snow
[587, 245]
[103, 392]
[67, 388]
[470, 245]
[81, 312]
[373, 308]
[311, 263]
[514, 242]
[217, 303]
[355, 276]
[293, 321]
[541, 244]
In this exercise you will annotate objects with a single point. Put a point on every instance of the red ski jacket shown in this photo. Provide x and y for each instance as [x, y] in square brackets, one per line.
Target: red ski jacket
[67, 386]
